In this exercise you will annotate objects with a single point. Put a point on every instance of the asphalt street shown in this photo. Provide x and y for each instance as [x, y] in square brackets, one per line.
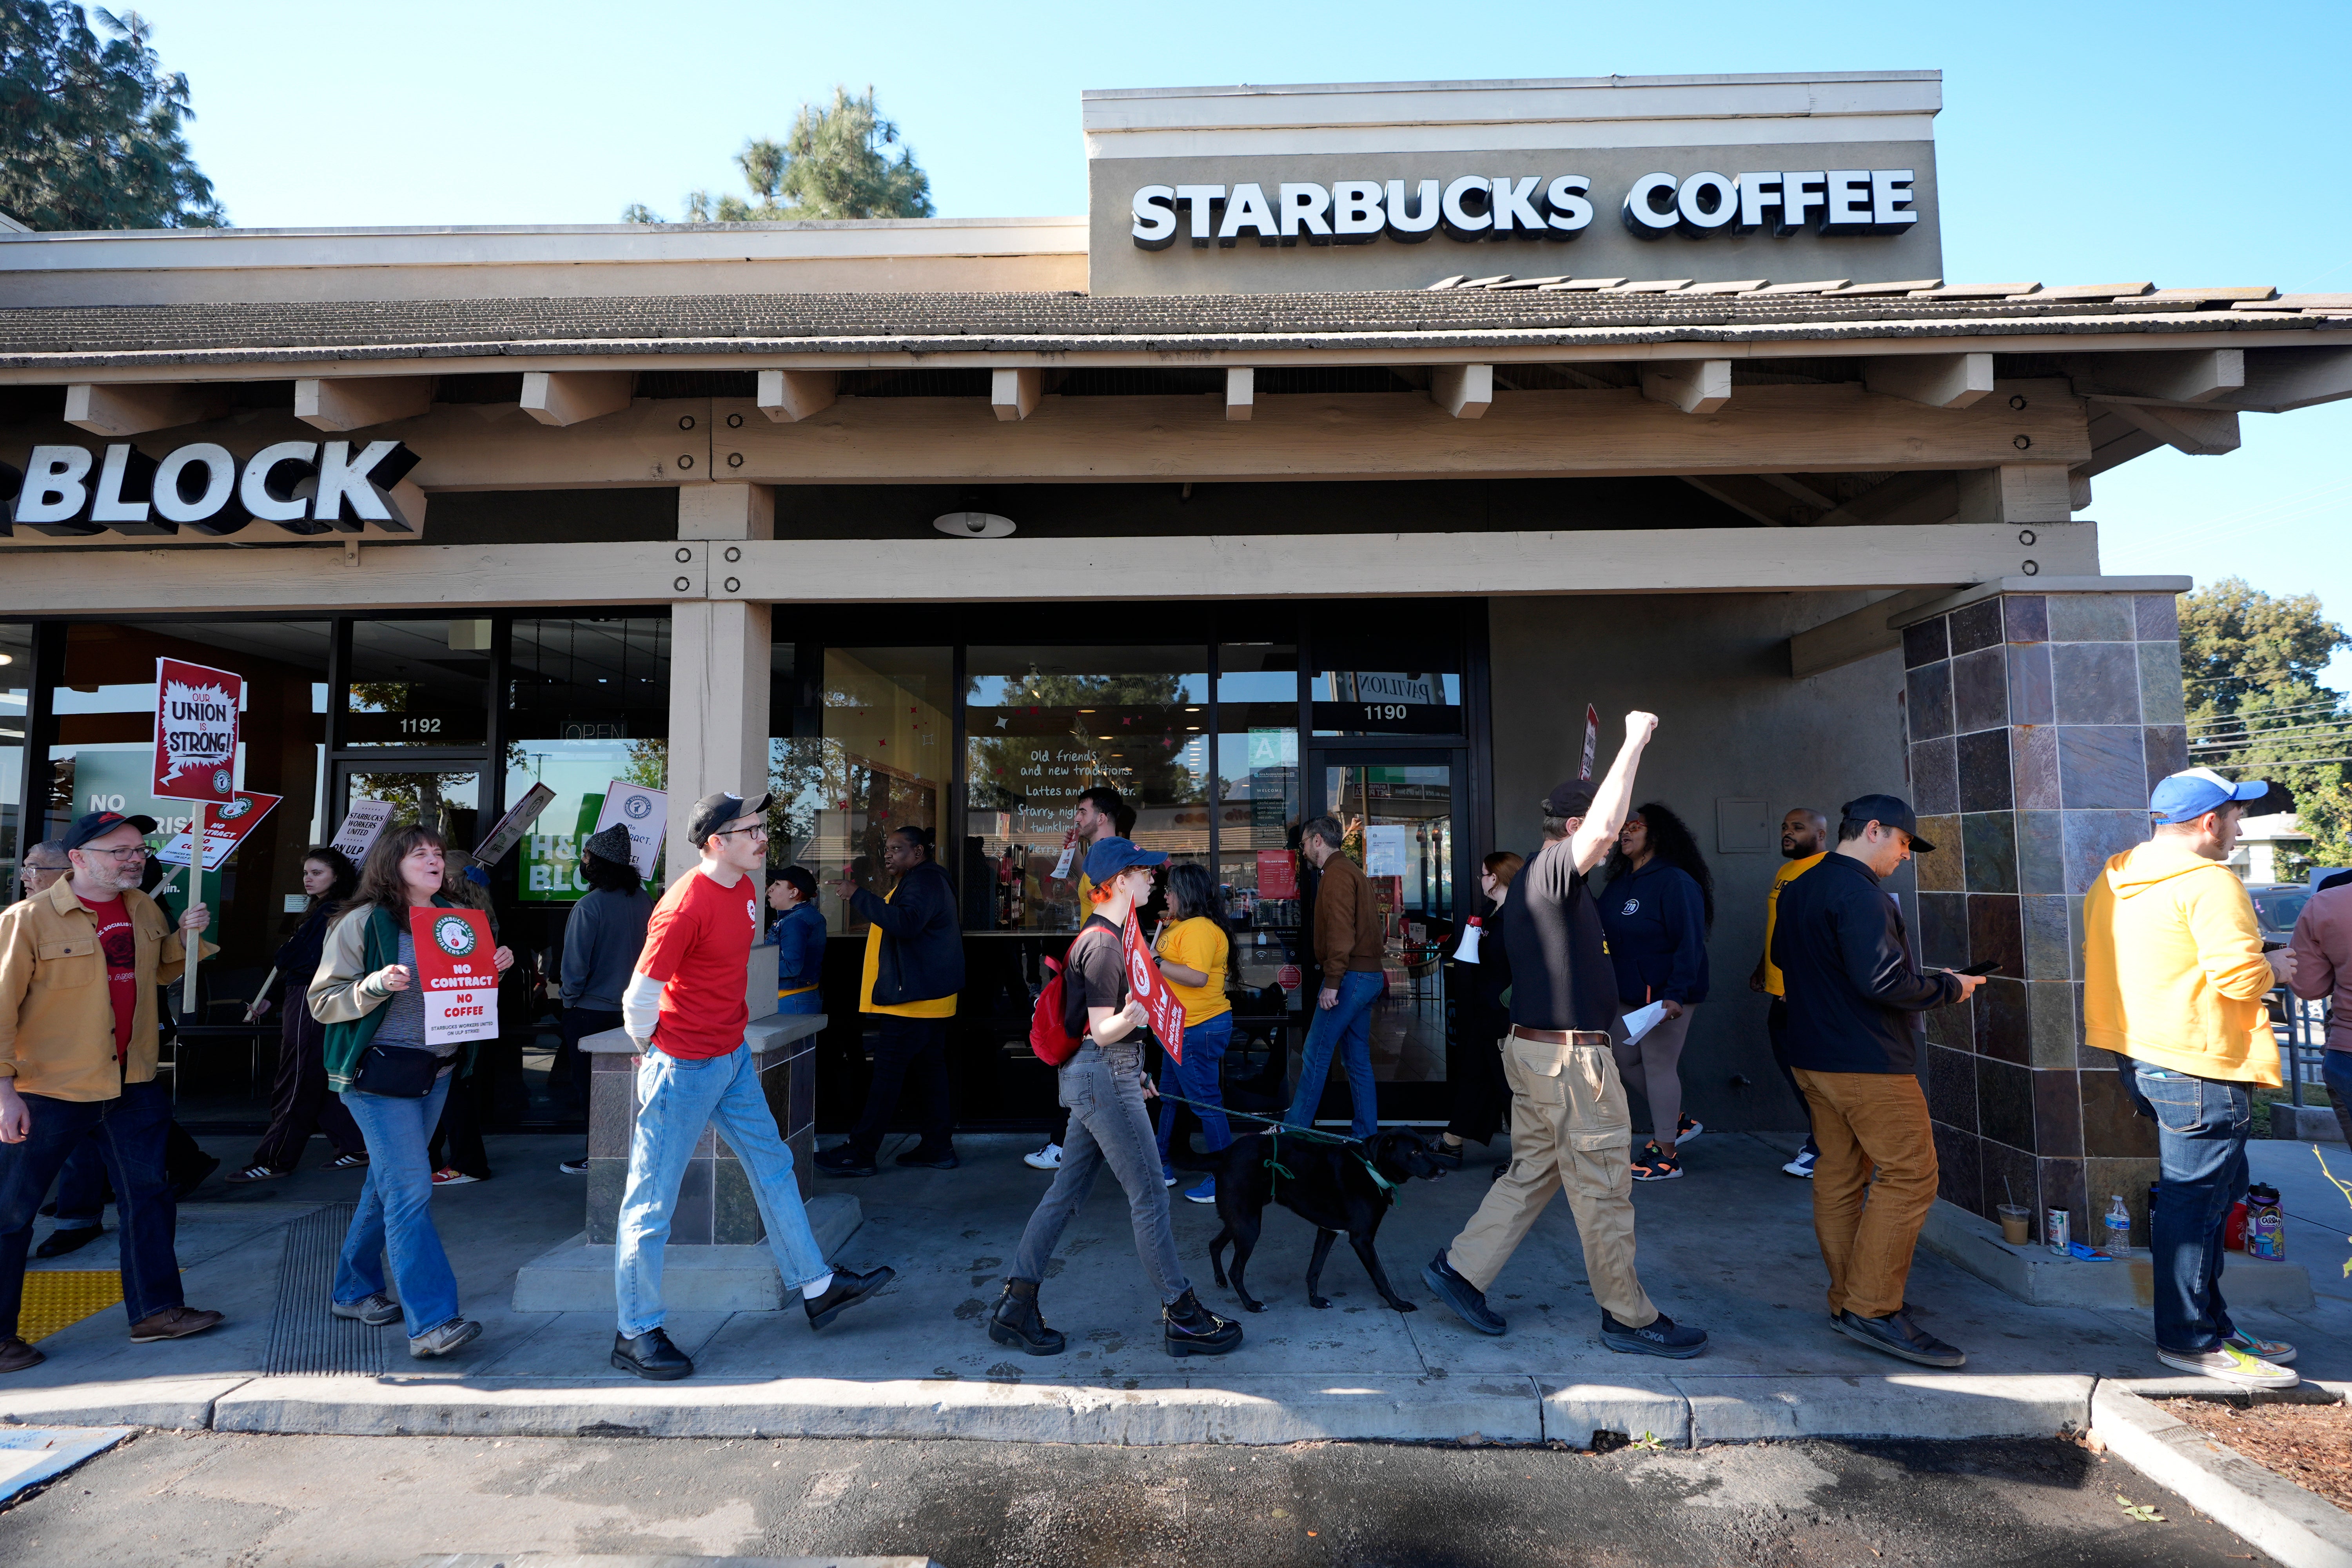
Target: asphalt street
[204, 1498]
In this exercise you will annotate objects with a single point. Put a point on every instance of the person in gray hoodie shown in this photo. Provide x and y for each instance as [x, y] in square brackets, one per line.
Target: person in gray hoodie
[601, 944]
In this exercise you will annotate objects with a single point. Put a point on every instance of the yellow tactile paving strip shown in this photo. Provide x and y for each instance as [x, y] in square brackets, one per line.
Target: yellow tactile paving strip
[59, 1297]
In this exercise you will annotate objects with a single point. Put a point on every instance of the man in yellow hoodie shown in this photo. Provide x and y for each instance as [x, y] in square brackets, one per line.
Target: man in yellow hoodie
[2174, 978]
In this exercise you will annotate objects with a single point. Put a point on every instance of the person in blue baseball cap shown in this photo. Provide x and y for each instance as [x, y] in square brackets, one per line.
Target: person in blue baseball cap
[2174, 977]
[1105, 1088]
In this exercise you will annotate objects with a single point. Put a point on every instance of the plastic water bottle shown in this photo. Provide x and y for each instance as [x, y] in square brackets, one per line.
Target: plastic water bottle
[2119, 1227]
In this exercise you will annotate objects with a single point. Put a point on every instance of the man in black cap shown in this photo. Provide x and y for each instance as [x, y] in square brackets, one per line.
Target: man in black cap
[80, 966]
[686, 1009]
[1569, 1123]
[1854, 996]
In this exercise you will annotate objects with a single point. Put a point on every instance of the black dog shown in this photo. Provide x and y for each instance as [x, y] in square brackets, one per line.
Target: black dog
[1328, 1186]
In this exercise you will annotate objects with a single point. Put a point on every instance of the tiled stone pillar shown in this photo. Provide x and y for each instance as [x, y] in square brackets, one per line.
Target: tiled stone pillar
[715, 1207]
[2037, 721]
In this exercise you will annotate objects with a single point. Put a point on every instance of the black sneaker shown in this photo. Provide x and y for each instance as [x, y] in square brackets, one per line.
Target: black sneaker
[1469, 1302]
[651, 1355]
[1898, 1335]
[845, 1291]
[1661, 1336]
[57, 1243]
[1191, 1329]
[843, 1160]
[930, 1159]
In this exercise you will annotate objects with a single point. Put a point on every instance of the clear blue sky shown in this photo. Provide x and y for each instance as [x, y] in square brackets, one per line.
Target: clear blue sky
[2077, 144]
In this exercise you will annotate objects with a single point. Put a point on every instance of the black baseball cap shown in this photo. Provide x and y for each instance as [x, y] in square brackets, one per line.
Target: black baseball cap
[100, 823]
[1571, 799]
[713, 812]
[1887, 811]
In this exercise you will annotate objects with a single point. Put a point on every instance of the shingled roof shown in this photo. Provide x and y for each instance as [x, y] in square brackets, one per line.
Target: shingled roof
[1521, 313]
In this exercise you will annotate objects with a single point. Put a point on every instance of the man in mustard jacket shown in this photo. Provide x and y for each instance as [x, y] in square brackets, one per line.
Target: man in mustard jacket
[2174, 978]
[79, 964]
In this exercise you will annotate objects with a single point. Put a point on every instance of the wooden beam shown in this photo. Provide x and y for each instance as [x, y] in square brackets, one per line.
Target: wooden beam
[117, 408]
[1804, 492]
[1815, 429]
[2188, 376]
[1464, 391]
[2015, 493]
[1856, 635]
[1240, 392]
[2200, 432]
[562, 397]
[787, 396]
[1014, 393]
[1693, 386]
[388, 577]
[1747, 495]
[2280, 379]
[1939, 381]
[1904, 500]
[354, 403]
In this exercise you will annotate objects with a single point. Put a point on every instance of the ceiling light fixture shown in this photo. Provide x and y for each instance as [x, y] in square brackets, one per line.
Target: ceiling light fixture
[974, 524]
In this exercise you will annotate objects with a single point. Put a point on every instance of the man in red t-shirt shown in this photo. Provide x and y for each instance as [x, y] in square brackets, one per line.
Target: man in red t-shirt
[686, 1008]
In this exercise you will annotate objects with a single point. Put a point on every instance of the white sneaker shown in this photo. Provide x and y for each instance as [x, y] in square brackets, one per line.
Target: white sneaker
[2230, 1364]
[1801, 1163]
[1049, 1158]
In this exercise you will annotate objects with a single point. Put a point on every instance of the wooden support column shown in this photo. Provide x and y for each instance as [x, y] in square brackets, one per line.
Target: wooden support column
[1014, 393]
[355, 403]
[1240, 392]
[575, 397]
[718, 662]
[1693, 386]
[2016, 492]
[788, 396]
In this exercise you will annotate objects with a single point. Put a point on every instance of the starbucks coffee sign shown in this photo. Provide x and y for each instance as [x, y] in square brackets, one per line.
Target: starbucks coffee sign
[298, 489]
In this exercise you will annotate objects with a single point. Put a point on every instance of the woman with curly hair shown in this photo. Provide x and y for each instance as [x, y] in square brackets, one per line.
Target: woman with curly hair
[1657, 906]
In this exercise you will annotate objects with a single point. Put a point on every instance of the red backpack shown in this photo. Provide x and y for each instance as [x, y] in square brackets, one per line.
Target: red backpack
[1049, 1031]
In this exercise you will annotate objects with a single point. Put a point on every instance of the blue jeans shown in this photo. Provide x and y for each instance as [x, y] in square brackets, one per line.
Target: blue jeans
[1347, 1028]
[395, 1212]
[2335, 1072]
[1103, 1088]
[1196, 1080]
[676, 1099]
[806, 1001]
[2202, 1126]
[128, 1133]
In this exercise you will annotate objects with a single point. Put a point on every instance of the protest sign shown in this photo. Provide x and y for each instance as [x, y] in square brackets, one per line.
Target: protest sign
[1069, 854]
[1145, 983]
[644, 813]
[361, 826]
[195, 731]
[455, 974]
[1591, 741]
[514, 824]
[229, 827]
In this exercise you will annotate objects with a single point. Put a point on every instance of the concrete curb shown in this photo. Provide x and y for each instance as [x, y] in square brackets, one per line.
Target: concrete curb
[2291, 1524]
[1894, 1404]
[167, 1404]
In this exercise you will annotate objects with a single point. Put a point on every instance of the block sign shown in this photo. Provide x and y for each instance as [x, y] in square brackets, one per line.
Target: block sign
[225, 829]
[455, 973]
[1147, 985]
[195, 731]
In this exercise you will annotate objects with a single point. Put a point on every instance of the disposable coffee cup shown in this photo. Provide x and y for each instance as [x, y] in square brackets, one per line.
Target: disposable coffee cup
[2016, 1223]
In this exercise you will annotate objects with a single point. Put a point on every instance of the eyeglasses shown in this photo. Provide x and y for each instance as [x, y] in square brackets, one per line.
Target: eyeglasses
[134, 852]
[731, 832]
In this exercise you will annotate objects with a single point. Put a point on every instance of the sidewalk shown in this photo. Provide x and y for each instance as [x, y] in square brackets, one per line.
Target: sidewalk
[1729, 1248]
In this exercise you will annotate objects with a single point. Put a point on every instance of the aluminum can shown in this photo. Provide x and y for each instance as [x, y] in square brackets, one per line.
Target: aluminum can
[2057, 1228]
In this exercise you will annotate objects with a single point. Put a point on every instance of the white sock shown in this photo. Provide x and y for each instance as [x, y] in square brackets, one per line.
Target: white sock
[811, 1292]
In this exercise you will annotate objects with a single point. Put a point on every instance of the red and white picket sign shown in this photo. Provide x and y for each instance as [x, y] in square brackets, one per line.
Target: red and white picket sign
[195, 759]
[458, 972]
[1147, 985]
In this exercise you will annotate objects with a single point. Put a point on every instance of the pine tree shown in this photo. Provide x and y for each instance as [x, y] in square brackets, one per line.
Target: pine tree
[90, 130]
[2251, 663]
[831, 166]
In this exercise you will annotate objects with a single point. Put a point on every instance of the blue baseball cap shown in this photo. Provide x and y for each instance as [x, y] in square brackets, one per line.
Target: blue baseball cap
[2186, 796]
[1109, 857]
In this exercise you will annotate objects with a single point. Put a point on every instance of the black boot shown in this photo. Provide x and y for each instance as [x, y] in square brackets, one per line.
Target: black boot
[1016, 1321]
[1193, 1330]
[846, 1290]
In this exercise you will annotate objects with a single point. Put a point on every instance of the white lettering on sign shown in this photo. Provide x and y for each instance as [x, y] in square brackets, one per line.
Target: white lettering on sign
[306, 487]
[1473, 207]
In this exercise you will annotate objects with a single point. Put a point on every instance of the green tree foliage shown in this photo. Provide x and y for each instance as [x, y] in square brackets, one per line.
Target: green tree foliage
[2251, 663]
[832, 166]
[90, 126]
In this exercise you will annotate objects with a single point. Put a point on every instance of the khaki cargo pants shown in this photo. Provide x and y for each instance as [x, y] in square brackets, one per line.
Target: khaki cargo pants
[1569, 1125]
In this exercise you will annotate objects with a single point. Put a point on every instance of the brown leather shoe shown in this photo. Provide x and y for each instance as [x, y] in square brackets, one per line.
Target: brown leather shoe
[15, 1355]
[171, 1323]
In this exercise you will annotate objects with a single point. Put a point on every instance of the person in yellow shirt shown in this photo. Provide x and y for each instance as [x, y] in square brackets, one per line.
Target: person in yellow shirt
[914, 967]
[1804, 839]
[1194, 954]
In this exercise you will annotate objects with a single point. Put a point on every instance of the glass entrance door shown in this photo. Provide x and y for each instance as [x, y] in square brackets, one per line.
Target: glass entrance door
[445, 794]
[1407, 820]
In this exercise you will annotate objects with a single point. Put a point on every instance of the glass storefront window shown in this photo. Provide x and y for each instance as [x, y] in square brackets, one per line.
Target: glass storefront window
[1042, 725]
[448, 800]
[587, 702]
[1388, 679]
[1399, 820]
[16, 713]
[1257, 785]
[882, 761]
[418, 683]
